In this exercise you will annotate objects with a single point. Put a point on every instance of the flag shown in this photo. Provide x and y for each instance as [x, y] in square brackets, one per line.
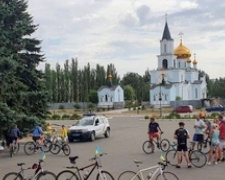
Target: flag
[43, 156]
[98, 150]
[162, 158]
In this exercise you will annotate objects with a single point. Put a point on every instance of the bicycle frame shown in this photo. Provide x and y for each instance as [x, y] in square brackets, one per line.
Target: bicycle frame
[157, 168]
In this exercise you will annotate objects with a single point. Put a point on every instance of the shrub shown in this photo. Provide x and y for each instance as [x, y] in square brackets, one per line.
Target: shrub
[65, 116]
[146, 116]
[173, 115]
[61, 106]
[56, 117]
[77, 106]
[75, 117]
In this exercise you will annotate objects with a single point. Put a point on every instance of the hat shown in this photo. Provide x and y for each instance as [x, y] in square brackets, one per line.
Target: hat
[181, 124]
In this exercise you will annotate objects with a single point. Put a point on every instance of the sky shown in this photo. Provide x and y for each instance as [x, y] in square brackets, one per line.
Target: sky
[127, 33]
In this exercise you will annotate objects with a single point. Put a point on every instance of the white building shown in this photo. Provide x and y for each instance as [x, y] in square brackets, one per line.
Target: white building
[111, 96]
[178, 72]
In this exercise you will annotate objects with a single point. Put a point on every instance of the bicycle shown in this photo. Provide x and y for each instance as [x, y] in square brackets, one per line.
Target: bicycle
[76, 175]
[205, 145]
[31, 147]
[158, 172]
[59, 145]
[149, 147]
[39, 174]
[197, 158]
[14, 148]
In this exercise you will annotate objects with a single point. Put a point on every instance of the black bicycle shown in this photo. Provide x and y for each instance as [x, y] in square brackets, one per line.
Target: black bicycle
[205, 145]
[197, 158]
[31, 147]
[58, 146]
[39, 174]
[149, 147]
[14, 148]
[76, 174]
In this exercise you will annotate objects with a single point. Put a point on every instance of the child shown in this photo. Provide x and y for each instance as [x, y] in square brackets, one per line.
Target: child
[63, 134]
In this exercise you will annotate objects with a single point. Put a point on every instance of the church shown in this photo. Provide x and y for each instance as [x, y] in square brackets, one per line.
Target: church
[177, 76]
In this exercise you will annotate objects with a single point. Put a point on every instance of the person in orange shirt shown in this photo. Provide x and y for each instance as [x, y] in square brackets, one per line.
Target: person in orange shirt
[202, 114]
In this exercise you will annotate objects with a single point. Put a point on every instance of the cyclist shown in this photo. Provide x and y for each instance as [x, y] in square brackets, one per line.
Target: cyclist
[214, 135]
[14, 134]
[63, 134]
[182, 135]
[222, 138]
[199, 131]
[153, 131]
[37, 134]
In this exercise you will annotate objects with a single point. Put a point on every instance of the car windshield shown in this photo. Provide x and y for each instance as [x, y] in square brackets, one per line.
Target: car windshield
[85, 122]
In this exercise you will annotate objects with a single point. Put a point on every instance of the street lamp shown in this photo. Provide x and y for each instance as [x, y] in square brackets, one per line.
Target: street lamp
[160, 93]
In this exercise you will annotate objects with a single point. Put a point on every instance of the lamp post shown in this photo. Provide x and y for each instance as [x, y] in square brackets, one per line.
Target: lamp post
[160, 93]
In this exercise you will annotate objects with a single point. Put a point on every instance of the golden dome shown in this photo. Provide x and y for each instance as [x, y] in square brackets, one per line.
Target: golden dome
[189, 60]
[195, 61]
[110, 76]
[182, 52]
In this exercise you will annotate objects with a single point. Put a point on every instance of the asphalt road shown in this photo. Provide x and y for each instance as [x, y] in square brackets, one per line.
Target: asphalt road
[123, 146]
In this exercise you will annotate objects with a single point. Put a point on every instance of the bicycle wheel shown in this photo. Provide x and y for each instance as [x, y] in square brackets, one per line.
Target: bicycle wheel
[66, 149]
[68, 175]
[148, 147]
[164, 145]
[46, 175]
[171, 157]
[104, 176]
[12, 176]
[55, 149]
[198, 158]
[46, 146]
[167, 176]
[128, 175]
[204, 147]
[29, 148]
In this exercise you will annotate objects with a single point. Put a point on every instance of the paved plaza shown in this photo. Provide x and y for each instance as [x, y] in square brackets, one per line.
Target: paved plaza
[123, 146]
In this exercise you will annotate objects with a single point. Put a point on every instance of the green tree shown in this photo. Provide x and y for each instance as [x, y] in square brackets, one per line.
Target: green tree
[129, 93]
[22, 93]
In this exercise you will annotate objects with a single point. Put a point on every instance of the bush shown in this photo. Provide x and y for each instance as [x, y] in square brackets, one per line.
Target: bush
[77, 106]
[75, 117]
[65, 117]
[173, 115]
[56, 117]
[61, 106]
[146, 116]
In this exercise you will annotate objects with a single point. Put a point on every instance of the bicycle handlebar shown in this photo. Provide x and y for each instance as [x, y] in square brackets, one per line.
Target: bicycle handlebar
[97, 156]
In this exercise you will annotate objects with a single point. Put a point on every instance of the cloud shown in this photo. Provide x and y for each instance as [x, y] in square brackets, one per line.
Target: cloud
[128, 33]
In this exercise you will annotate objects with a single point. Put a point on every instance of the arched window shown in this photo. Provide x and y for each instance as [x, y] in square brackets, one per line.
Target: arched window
[196, 93]
[106, 98]
[165, 64]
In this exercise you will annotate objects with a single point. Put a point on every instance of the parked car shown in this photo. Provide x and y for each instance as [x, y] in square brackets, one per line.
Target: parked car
[215, 108]
[183, 109]
[89, 128]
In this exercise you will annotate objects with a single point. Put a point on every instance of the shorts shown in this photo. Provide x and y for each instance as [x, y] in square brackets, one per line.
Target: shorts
[35, 138]
[11, 139]
[222, 144]
[198, 138]
[182, 147]
[214, 145]
[153, 135]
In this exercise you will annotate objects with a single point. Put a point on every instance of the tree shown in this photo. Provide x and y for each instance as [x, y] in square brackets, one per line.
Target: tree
[22, 93]
[129, 93]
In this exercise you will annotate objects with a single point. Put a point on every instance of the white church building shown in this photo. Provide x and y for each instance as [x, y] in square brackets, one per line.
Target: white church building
[177, 75]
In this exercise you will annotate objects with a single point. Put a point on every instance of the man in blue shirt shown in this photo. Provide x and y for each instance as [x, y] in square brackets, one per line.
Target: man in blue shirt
[37, 133]
[153, 130]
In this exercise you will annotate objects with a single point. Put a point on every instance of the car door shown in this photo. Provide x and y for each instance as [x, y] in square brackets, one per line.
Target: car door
[99, 126]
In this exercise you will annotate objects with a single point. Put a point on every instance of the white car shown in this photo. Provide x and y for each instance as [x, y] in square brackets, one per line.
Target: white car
[88, 128]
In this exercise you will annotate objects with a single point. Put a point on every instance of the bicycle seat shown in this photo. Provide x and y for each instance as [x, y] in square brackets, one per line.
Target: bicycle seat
[73, 159]
[137, 162]
[20, 164]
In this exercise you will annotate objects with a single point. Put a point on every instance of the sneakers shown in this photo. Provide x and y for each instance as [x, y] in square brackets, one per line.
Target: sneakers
[189, 166]
[209, 163]
[177, 166]
[215, 163]
[157, 144]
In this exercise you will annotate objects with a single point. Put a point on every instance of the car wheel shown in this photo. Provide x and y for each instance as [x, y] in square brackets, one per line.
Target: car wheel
[107, 133]
[92, 136]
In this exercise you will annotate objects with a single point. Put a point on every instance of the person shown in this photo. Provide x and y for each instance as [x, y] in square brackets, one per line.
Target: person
[38, 134]
[14, 134]
[153, 130]
[202, 114]
[208, 127]
[199, 131]
[64, 134]
[181, 135]
[214, 148]
[221, 138]
[49, 131]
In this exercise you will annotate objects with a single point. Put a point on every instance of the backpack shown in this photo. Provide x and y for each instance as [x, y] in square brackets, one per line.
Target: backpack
[182, 136]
